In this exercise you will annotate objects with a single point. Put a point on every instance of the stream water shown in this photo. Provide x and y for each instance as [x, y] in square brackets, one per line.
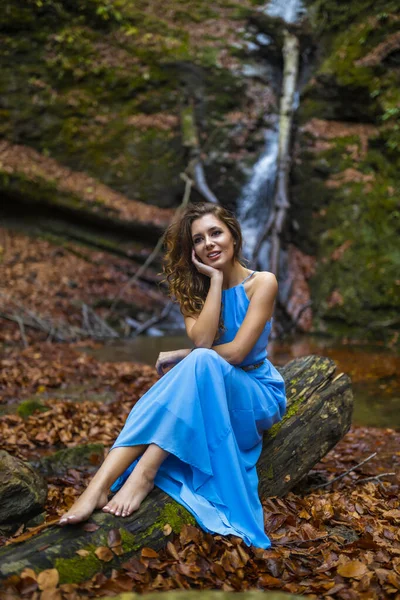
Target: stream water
[374, 369]
[255, 202]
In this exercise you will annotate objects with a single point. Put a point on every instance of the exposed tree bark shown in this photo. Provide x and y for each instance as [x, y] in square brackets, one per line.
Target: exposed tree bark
[281, 204]
[318, 415]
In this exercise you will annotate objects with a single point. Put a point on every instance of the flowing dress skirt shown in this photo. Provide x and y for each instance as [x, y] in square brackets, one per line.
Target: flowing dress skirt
[210, 416]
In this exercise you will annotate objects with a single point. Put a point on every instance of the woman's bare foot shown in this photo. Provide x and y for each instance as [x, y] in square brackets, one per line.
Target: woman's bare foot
[138, 485]
[84, 506]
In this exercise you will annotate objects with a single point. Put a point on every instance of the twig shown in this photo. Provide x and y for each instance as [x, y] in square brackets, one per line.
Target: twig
[316, 487]
[155, 319]
[85, 317]
[22, 330]
[104, 329]
[374, 477]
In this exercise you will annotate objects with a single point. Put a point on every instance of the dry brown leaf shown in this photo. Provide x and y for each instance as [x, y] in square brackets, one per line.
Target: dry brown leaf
[172, 550]
[114, 538]
[27, 572]
[167, 529]
[90, 527]
[352, 568]
[48, 579]
[51, 594]
[103, 553]
[149, 553]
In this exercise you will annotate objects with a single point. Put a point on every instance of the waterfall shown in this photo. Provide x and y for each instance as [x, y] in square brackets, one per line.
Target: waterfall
[254, 202]
[287, 10]
[253, 205]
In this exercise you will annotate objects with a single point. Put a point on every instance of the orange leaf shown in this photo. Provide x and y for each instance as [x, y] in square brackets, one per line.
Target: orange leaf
[48, 579]
[392, 514]
[104, 553]
[28, 573]
[353, 568]
[149, 553]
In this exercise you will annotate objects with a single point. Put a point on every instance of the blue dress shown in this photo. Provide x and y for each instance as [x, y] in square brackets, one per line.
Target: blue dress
[210, 415]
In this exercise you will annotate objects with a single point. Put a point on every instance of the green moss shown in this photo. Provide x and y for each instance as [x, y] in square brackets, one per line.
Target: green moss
[28, 407]
[85, 456]
[291, 411]
[176, 515]
[269, 473]
[352, 226]
[129, 541]
[79, 568]
[173, 514]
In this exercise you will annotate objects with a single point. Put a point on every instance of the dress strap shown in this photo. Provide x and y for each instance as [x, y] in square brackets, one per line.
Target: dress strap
[248, 276]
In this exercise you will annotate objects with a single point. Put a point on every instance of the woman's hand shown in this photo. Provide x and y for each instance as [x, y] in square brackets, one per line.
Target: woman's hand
[205, 269]
[167, 360]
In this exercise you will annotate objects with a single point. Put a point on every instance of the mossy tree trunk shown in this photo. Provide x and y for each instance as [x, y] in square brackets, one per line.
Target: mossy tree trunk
[318, 415]
[281, 204]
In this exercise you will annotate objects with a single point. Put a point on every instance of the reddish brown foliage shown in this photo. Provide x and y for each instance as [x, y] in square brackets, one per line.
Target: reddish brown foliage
[54, 281]
[35, 166]
[341, 541]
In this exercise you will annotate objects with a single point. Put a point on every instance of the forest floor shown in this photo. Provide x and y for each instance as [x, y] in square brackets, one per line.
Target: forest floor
[340, 541]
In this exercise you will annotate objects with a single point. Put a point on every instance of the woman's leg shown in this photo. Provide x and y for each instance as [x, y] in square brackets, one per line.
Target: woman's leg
[139, 484]
[96, 494]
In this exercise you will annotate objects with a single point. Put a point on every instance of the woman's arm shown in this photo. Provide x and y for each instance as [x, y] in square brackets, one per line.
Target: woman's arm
[167, 360]
[203, 329]
[258, 313]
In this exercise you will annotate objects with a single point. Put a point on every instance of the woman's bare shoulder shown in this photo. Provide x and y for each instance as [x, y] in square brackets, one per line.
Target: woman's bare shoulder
[263, 280]
[265, 276]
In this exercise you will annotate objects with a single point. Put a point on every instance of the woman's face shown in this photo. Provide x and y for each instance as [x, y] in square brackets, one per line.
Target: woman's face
[212, 241]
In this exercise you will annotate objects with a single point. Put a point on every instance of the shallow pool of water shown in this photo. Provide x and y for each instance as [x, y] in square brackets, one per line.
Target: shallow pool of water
[374, 369]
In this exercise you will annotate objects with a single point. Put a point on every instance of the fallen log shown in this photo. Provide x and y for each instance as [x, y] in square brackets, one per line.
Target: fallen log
[318, 415]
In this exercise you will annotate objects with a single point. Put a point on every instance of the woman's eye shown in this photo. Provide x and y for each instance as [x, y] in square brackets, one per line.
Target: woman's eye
[216, 232]
[196, 241]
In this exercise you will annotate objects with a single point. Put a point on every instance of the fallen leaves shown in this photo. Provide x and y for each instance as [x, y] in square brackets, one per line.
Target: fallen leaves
[44, 282]
[104, 553]
[48, 579]
[352, 568]
[338, 542]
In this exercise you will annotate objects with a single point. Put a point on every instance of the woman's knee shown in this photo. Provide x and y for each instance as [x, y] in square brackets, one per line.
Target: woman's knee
[204, 354]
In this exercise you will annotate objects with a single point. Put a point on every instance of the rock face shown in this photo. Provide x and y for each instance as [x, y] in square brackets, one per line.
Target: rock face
[100, 93]
[22, 490]
[345, 175]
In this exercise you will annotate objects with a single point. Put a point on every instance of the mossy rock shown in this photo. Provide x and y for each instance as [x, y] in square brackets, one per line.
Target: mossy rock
[22, 490]
[345, 195]
[98, 87]
[87, 457]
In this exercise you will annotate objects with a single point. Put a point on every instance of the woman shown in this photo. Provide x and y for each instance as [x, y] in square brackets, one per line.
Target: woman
[197, 433]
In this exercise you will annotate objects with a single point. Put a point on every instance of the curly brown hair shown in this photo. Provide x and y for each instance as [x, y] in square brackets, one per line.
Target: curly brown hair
[185, 283]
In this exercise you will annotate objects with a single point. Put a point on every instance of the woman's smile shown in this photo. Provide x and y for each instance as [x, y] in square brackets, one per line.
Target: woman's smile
[214, 255]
